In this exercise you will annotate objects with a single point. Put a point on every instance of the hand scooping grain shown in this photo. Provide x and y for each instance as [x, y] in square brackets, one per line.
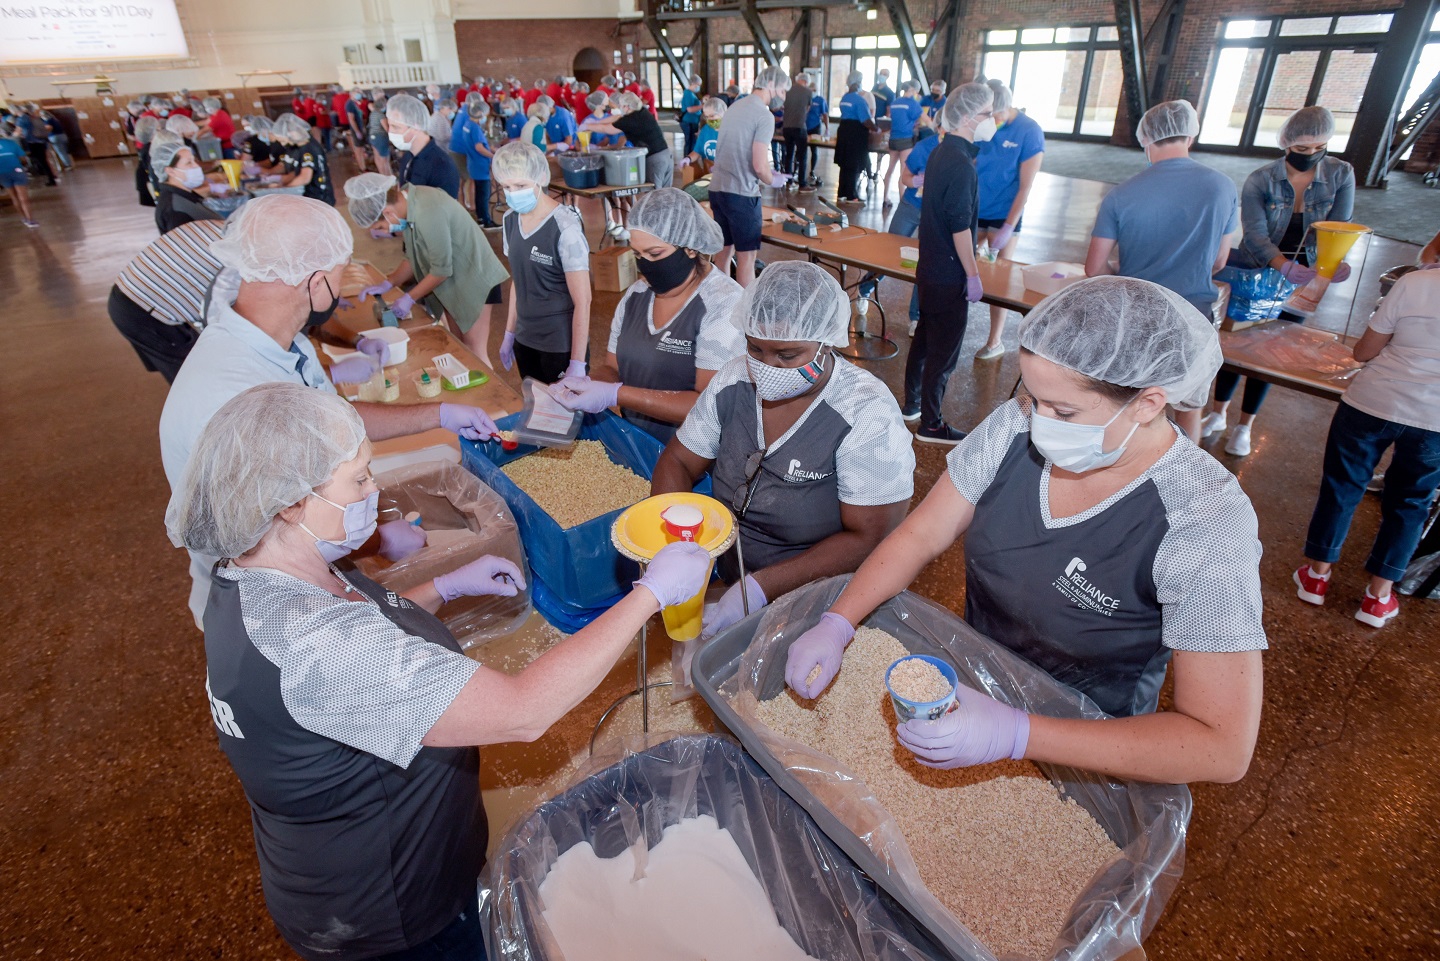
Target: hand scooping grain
[578, 484]
[919, 681]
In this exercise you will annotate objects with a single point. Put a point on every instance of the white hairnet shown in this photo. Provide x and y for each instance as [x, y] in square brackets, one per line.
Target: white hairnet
[163, 150]
[1308, 125]
[182, 125]
[596, 101]
[284, 238]
[627, 101]
[968, 100]
[367, 193]
[291, 129]
[1128, 332]
[677, 218]
[909, 86]
[517, 160]
[775, 78]
[145, 129]
[264, 127]
[211, 104]
[941, 84]
[1003, 95]
[408, 111]
[716, 106]
[477, 109]
[1164, 121]
[794, 300]
[853, 78]
[264, 451]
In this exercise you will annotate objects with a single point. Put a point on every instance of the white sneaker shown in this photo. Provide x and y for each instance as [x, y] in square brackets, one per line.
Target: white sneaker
[1212, 424]
[990, 353]
[1237, 442]
[913, 325]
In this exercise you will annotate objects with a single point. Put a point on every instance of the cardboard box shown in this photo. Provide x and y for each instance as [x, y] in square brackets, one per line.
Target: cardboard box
[684, 176]
[612, 269]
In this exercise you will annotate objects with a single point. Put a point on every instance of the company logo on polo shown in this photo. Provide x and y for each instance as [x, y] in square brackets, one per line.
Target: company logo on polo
[1009, 144]
[797, 474]
[223, 714]
[536, 257]
[674, 345]
[1083, 592]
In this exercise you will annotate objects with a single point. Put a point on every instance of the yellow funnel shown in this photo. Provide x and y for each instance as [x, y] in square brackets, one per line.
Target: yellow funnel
[1333, 240]
[232, 172]
[584, 137]
[639, 534]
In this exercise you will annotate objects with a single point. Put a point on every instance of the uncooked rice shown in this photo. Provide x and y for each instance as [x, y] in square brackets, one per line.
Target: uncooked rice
[919, 681]
[577, 484]
[996, 844]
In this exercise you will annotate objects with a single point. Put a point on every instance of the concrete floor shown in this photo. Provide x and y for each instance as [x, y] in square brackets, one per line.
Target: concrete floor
[123, 833]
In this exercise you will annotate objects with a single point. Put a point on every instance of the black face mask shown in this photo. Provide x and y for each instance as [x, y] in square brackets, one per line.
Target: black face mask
[1303, 161]
[667, 273]
[318, 317]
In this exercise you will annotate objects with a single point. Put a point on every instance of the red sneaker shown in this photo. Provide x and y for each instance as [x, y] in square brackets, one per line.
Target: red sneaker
[1311, 586]
[1377, 612]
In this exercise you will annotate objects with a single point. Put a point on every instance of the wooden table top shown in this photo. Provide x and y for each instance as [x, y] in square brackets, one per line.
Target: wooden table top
[604, 190]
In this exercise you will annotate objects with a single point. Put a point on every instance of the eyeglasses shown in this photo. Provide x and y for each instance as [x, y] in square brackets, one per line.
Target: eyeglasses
[740, 502]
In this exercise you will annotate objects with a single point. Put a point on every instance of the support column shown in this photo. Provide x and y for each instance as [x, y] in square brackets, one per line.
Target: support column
[1132, 60]
[657, 33]
[1369, 146]
[757, 30]
[905, 31]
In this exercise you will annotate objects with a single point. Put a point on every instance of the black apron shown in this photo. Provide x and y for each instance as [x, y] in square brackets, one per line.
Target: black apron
[1077, 601]
[662, 361]
[357, 856]
[543, 308]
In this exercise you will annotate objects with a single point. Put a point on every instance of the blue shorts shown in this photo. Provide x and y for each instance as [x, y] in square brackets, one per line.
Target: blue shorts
[14, 178]
[739, 219]
[381, 145]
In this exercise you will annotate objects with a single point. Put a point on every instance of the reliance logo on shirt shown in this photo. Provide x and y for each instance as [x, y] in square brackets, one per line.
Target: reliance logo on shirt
[1077, 588]
[536, 257]
[674, 345]
[799, 475]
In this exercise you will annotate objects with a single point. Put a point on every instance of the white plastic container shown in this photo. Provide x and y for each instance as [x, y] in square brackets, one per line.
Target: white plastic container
[398, 340]
[1052, 277]
[910, 257]
[456, 374]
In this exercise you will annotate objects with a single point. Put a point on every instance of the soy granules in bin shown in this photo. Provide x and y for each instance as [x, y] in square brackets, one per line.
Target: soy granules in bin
[919, 681]
[577, 484]
[996, 844]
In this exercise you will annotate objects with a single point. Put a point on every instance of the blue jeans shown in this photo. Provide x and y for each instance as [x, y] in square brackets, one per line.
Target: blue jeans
[904, 223]
[462, 940]
[1352, 450]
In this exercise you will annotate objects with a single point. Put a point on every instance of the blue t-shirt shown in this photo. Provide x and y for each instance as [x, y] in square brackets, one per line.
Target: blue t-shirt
[915, 162]
[931, 104]
[457, 145]
[513, 125]
[706, 142]
[854, 107]
[560, 126]
[904, 112]
[999, 164]
[470, 134]
[12, 155]
[1167, 221]
[817, 111]
[884, 97]
[690, 99]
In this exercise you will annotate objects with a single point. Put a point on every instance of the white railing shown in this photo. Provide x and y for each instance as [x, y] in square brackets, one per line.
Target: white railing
[389, 74]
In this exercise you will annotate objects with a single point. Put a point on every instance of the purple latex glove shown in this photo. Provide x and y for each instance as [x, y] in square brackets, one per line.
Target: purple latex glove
[507, 350]
[355, 369]
[403, 305]
[471, 423]
[1297, 273]
[731, 608]
[400, 539]
[677, 573]
[375, 348]
[978, 731]
[376, 290]
[576, 371]
[1342, 273]
[1002, 237]
[685, 161]
[380, 233]
[343, 304]
[918, 181]
[973, 289]
[582, 393]
[823, 646]
[779, 180]
[272, 178]
[487, 575]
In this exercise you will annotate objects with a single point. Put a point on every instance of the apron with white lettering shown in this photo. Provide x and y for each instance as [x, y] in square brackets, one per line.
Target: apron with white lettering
[1078, 601]
[543, 307]
[660, 361]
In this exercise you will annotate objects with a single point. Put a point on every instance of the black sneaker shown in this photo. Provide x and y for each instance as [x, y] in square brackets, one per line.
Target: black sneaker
[909, 414]
[944, 434]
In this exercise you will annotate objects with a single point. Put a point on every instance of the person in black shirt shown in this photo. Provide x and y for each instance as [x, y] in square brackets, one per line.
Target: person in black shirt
[418, 159]
[304, 160]
[640, 127]
[946, 275]
[179, 182]
[145, 130]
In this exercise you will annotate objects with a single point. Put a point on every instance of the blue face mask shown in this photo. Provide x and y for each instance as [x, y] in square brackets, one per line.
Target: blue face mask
[360, 522]
[521, 201]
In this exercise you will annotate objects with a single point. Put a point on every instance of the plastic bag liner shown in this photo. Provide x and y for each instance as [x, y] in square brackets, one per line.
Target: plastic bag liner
[579, 565]
[1255, 295]
[746, 664]
[827, 904]
[464, 520]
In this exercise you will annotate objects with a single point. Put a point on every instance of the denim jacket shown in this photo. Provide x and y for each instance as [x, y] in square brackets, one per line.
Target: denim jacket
[1268, 200]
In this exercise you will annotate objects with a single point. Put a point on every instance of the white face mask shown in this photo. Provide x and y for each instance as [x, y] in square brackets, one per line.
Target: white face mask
[1076, 447]
[783, 383]
[192, 177]
[398, 142]
[985, 129]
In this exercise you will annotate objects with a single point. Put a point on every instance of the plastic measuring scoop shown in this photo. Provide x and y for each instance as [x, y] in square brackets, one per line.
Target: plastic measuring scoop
[641, 531]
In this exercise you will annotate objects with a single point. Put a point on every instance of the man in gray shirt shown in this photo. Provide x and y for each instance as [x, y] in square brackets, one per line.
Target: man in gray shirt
[742, 167]
[792, 127]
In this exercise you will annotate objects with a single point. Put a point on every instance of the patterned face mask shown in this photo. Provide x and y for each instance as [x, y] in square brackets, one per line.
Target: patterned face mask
[783, 383]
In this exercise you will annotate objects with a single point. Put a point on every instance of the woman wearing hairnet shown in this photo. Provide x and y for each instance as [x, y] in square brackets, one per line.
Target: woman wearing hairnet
[1100, 542]
[671, 331]
[305, 163]
[852, 139]
[444, 248]
[1280, 202]
[806, 448]
[347, 711]
[180, 189]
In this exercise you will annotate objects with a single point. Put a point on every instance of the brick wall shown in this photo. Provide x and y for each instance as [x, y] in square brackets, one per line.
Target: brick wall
[532, 49]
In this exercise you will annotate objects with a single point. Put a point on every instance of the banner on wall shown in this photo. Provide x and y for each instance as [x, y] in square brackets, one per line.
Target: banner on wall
[59, 31]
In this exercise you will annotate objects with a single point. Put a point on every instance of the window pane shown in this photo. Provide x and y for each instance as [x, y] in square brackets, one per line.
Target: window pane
[1289, 85]
[839, 68]
[1000, 37]
[1425, 69]
[1047, 85]
[1072, 34]
[1038, 35]
[997, 65]
[840, 43]
[1342, 88]
[1230, 90]
[1102, 99]
[1364, 23]
[1306, 27]
[865, 43]
[1107, 33]
[921, 40]
[1245, 29]
[891, 41]
[891, 63]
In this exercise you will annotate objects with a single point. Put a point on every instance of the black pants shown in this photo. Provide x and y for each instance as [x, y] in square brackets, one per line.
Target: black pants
[1255, 390]
[934, 349]
[795, 152]
[692, 133]
[161, 347]
[814, 153]
[38, 160]
[546, 366]
[852, 154]
[482, 203]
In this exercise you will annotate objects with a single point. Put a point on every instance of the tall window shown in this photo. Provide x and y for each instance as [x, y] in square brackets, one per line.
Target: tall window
[1265, 69]
[869, 55]
[1067, 79]
[655, 68]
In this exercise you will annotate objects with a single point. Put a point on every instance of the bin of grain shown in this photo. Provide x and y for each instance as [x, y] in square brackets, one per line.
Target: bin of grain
[1040, 862]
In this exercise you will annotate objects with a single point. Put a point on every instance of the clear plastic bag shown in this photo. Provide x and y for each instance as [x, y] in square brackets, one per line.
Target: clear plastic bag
[827, 904]
[1255, 295]
[1147, 821]
[463, 520]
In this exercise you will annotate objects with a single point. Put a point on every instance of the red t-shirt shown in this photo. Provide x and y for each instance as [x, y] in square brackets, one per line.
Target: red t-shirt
[338, 102]
[222, 126]
[319, 116]
[647, 97]
[300, 107]
[582, 109]
[461, 94]
[181, 111]
[556, 93]
[484, 93]
[531, 95]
